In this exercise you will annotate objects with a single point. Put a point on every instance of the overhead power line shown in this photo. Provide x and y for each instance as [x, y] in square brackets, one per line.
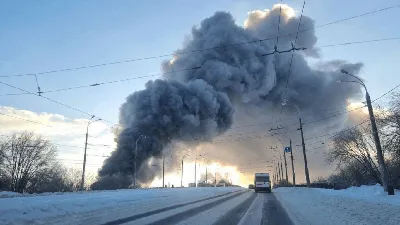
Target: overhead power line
[334, 133]
[128, 79]
[19, 118]
[359, 42]
[294, 45]
[279, 22]
[105, 82]
[194, 68]
[199, 50]
[57, 102]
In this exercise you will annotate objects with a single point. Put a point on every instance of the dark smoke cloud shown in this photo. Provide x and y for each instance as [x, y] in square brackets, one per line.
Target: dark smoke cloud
[163, 112]
[199, 104]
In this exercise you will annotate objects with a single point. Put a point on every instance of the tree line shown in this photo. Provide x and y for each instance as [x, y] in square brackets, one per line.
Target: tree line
[28, 164]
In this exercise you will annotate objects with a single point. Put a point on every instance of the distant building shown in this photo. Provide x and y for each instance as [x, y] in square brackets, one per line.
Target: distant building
[221, 184]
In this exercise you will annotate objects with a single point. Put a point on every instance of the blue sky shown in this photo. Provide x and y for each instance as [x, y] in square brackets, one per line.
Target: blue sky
[38, 36]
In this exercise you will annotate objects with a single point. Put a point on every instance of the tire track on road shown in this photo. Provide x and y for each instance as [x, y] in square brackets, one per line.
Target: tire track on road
[194, 211]
[273, 212]
[146, 214]
[235, 215]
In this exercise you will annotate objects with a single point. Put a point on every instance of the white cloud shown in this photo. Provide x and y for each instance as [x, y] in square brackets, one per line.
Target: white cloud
[67, 134]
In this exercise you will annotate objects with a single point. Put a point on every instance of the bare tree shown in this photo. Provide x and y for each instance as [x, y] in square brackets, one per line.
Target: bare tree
[390, 123]
[353, 146]
[23, 157]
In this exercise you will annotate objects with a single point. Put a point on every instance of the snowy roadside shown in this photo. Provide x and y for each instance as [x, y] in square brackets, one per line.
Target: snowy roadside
[10, 194]
[39, 209]
[356, 205]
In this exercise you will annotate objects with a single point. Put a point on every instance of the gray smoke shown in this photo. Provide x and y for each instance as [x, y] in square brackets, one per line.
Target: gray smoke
[197, 105]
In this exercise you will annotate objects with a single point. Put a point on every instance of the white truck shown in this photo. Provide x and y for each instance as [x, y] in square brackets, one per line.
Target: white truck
[262, 182]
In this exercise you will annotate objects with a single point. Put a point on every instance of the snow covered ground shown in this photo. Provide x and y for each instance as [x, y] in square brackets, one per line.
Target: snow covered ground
[97, 207]
[203, 206]
[356, 205]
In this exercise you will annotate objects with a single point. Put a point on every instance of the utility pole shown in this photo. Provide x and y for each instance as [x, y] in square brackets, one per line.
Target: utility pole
[304, 154]
[206, 174]
[84, 154]
[303, 144]
[291, 156]
[163, 171]
[84, 160]
[280, 157]
[277, 173]
[134, 161]
[195, 177]
[379, 153]
[182, 175]
[284, 156]
[215, 178]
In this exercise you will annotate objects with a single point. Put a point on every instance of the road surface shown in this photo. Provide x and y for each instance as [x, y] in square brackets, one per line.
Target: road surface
[191, 206]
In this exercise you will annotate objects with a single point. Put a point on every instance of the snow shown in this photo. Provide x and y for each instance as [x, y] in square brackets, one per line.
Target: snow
[367, 193]
[96, 207]
[212, 215]
[356, 205]
[254, 215]
[9, 194]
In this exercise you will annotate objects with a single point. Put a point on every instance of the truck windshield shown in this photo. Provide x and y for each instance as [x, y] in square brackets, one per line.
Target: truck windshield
[262, 179]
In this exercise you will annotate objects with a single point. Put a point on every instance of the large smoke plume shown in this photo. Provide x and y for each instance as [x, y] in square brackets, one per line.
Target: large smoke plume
[197, 105]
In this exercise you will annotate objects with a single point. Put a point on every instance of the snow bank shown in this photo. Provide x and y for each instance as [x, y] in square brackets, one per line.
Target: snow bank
[356, 205]
[9, 194]
[373, 193]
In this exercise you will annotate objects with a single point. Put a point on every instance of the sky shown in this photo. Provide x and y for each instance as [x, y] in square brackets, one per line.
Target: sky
[39, 36]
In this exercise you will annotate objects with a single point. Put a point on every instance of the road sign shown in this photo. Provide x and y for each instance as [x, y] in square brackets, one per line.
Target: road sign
[287, 149]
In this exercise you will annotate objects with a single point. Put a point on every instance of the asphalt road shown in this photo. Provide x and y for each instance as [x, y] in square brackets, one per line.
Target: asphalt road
[241, 207]
[163, 207]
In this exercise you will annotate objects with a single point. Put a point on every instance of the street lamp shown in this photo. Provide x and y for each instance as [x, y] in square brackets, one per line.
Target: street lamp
[381, 160]
[134, 161]
[302, 143]
[84, 154]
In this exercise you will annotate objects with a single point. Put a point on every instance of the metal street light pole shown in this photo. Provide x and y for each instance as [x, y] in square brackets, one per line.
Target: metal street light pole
[379, 153]
[195, 175]
[280, 157]
[163, 160]
[291, 156]
[134, 161]
[182, 175]
[206, 174]
[304, 146]
[215, 177]
[84, 154]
